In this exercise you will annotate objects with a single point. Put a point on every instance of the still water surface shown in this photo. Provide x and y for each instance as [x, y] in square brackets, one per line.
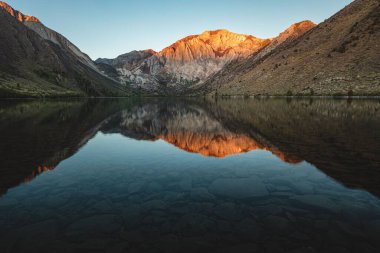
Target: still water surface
[157, 175]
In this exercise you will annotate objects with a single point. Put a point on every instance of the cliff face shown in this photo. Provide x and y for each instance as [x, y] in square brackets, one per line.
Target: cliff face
[213, 44]
[37, 61]
[340, 56]
[189, 62]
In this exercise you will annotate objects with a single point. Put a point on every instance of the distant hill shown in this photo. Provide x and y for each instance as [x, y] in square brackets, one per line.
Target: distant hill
[340, 56]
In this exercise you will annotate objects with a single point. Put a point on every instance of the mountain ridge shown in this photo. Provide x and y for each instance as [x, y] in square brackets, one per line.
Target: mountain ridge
[340, 56]
[189, 62]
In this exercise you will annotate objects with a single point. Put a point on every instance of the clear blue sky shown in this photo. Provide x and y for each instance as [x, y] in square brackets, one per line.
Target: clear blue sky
[108, 28]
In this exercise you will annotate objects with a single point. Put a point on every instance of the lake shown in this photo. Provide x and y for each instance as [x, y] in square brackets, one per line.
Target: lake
[190, 175]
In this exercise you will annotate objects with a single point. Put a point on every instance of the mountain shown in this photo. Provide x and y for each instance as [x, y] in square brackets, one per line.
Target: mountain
[340, 56]
[189, 62]
[37, 61]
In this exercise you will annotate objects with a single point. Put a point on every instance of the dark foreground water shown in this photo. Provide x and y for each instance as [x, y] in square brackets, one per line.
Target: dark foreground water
[190, 176]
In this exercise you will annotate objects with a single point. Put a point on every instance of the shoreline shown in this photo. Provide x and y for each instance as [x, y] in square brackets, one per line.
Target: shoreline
[214, 97]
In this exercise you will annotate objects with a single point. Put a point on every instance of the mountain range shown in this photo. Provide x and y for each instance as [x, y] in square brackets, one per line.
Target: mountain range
[188, 63]
[337, 57]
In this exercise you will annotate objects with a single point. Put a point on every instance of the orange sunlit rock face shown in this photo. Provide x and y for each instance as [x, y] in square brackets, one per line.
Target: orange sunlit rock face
[221, 146]
[18, 15]
[211, 145]
[213, 44]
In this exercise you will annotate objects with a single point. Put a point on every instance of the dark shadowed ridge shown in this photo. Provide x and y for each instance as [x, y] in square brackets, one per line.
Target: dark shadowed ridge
[36, 61]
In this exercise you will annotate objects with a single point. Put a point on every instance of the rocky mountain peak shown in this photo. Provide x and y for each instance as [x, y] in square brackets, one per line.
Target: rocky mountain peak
[18, 15]
[213, 44]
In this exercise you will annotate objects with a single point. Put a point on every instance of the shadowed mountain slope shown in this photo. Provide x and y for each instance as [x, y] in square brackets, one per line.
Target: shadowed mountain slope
[37, 61]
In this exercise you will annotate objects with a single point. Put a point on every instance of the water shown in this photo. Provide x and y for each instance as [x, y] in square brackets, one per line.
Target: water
[160, 175]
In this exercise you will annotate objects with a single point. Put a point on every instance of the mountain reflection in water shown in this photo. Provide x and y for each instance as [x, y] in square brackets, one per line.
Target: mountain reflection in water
[189, 127]
[340, 138]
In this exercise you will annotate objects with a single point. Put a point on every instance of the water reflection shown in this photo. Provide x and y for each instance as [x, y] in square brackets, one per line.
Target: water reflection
[189, 126]
[36, 136]
[168, 175]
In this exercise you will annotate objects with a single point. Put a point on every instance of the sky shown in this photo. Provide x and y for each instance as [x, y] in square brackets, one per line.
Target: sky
[108, 28]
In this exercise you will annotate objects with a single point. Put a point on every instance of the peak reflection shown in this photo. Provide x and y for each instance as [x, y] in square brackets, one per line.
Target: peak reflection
[189, 127]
